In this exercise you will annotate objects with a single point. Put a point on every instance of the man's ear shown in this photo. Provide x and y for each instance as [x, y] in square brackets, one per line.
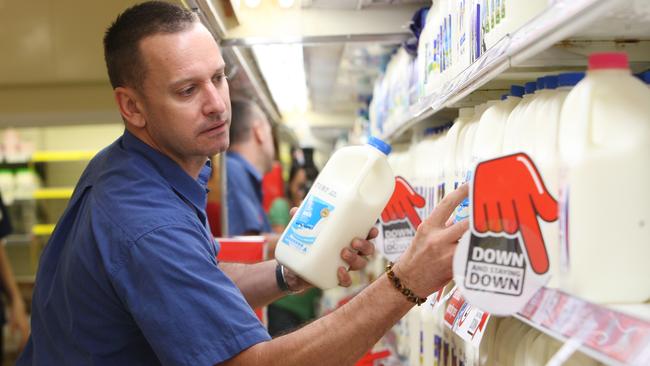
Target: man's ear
[128, 100]
[258, 132]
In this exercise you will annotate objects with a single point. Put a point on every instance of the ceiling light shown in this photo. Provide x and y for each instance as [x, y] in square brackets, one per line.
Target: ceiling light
[284, 72]
[285, 3]
[252, 3]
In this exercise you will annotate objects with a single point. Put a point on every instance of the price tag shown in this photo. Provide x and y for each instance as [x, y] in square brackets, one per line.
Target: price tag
[617, 336]
[467, 321]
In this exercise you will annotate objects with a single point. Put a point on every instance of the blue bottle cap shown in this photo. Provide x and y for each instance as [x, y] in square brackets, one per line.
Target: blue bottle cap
[379, 145]
[430, 131]
[531, 87]
[504, 96]
[541, 83]
[517, 91]
[644, 76]
[569, 78]
[550, 81]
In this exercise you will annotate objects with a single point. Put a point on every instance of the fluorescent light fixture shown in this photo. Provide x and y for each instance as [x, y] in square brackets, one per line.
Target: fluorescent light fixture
[283, 68]
[285, 3]
[252, 3]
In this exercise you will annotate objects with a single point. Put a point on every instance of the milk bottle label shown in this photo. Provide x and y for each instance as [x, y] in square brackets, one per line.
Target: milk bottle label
[401, 218]
[502, 261]
[307, 225]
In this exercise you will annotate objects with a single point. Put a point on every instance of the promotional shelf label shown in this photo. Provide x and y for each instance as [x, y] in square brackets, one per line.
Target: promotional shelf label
[502, 261]
[401, 218]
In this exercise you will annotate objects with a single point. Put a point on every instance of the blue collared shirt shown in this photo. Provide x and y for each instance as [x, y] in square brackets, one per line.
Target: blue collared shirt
[130, 277]
[245, 211]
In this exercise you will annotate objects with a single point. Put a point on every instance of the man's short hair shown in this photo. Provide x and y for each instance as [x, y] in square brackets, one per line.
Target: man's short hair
[125, 64]
[243, 114]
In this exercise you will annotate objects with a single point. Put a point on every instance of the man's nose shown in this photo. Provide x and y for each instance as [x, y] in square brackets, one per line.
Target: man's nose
[215, 102]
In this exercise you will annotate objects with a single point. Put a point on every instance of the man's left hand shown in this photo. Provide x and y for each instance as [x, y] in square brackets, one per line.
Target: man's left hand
[355, 255]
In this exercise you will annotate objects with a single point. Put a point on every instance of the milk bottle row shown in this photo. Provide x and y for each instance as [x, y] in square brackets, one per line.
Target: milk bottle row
[589, 137]
[455, 34]
[424, 340]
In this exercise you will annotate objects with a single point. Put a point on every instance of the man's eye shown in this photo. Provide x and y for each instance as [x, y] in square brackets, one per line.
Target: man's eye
[219, 78]
[187, 91]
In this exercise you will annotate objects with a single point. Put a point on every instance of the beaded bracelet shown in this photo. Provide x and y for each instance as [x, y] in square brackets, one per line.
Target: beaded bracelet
[410, 296]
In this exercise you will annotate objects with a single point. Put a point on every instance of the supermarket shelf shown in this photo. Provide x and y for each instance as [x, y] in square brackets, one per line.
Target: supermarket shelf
[563, 20]
[53, 193]
[606, 334]
[43, 229]
[72, 155]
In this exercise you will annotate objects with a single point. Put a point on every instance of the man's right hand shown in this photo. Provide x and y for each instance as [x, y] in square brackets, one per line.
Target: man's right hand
[426, 265]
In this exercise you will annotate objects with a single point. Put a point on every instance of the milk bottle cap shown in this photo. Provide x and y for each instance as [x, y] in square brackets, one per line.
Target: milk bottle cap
[379, 145]
[644, 76]
[569, 78]
[517, 91]
[551, 81]
[608, 60]
[541, 83]
[531, 87]
[504, 96]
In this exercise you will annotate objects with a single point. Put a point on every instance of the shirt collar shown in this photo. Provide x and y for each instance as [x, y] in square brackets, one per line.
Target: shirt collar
[250, 169]
[190, 189]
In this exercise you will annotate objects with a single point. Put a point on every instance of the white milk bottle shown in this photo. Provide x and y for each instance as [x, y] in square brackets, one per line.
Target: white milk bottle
[464, 157]
[527, 124]
[488, 141]
[427, 320]
[512, 131]
[546, 157]
[415, 337]
[488, 342]
[452, 143]
[604, 145]
[344, 202]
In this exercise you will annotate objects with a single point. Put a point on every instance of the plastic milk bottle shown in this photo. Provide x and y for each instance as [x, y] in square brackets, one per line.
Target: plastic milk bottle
[488, 141]
[605, 197]
[546, 157]
[511, 134]
[452, 150]
[344, 202]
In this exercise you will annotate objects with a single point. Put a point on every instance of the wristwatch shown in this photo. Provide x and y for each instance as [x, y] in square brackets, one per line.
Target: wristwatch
[281, 280]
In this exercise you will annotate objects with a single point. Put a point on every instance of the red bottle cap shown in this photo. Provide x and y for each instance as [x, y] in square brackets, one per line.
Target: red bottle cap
[608, 60]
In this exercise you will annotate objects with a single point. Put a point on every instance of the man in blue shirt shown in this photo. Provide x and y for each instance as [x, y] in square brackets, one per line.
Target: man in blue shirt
[129, 276]
[249, 157]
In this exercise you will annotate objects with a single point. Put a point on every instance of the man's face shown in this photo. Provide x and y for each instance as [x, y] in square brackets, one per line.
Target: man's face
[186, 103]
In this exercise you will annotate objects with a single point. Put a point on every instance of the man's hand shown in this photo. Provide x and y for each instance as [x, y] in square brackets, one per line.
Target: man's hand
[508, 196]
[426, 265]
[354, 255]
[18, 321]
[402, 204]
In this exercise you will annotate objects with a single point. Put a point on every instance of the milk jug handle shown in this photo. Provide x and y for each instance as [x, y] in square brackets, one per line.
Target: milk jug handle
[362, 174]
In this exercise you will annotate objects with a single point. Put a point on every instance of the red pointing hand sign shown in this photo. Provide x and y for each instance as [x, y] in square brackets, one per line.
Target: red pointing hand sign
[402, 204]
[508, 196]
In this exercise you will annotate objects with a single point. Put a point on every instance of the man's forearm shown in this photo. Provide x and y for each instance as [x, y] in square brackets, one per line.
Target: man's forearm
[340, 338]
[256, 281]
